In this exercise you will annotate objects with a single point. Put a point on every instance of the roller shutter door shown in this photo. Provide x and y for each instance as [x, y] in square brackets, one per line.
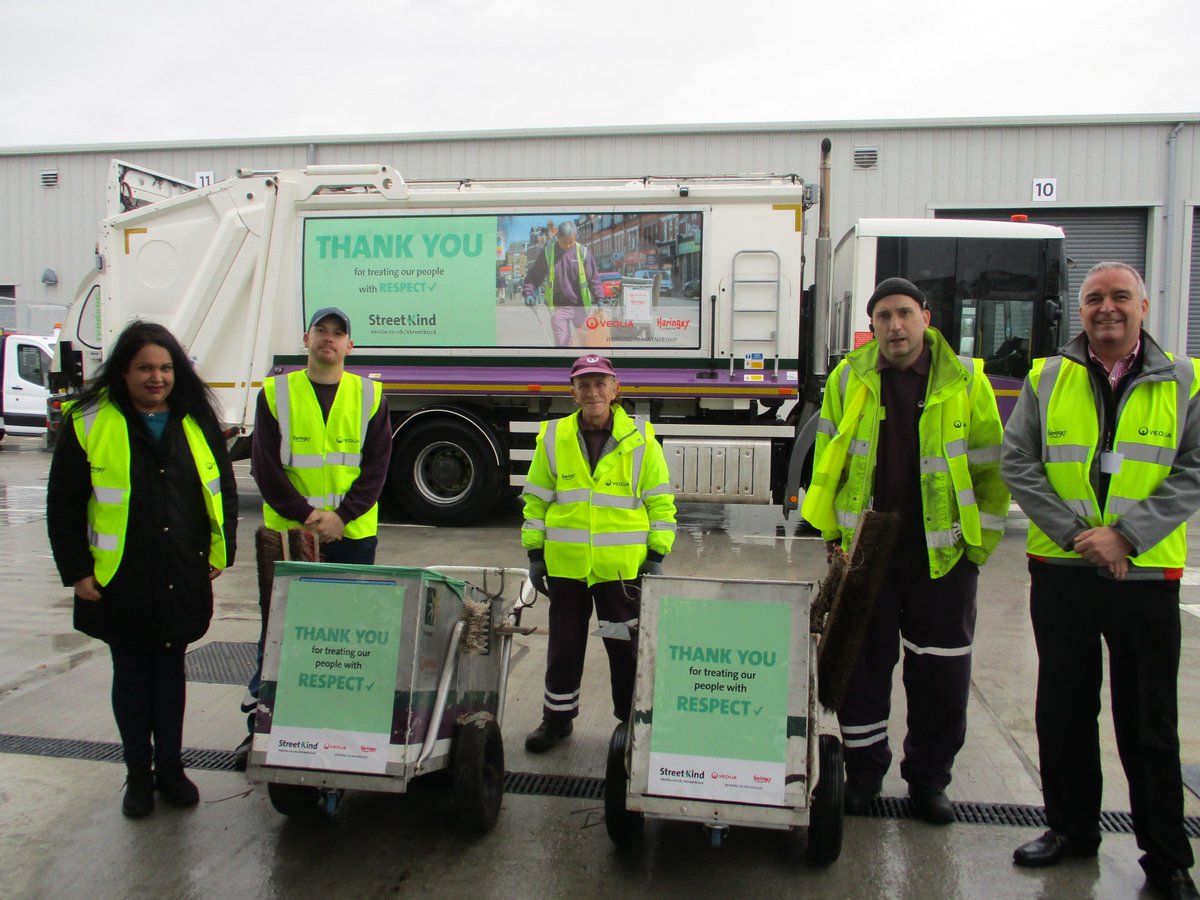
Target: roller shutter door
[1092, 235]
[1193, 334]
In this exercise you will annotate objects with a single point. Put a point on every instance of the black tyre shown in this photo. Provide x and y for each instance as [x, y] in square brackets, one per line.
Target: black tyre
[293, 799]
[624, 827]
[826, 815]
[478, 768]
[444, 472]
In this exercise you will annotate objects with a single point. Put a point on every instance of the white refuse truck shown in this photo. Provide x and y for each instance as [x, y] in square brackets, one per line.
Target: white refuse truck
[436, 279]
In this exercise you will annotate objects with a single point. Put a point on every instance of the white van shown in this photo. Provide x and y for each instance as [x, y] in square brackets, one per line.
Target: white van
[24, 383]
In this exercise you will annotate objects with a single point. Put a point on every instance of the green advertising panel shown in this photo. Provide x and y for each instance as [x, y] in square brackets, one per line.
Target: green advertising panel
[405, 280]
[721, 679]
[339, 654]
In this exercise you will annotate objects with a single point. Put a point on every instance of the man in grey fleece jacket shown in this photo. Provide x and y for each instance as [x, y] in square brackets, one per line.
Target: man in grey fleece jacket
[1103, 455]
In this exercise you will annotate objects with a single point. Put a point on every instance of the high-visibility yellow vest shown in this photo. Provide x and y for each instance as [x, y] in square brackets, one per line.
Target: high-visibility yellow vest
[103, 434]
[964, 502]
[1146, 439]
[322, 459]
[597, 526]
[585, 294]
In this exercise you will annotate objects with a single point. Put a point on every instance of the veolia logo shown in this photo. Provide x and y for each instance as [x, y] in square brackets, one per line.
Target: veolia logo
[958, 423]
[1155, 432]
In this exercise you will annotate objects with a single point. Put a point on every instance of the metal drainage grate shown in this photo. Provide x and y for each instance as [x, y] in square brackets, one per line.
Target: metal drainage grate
[222, 662]
[580, 788]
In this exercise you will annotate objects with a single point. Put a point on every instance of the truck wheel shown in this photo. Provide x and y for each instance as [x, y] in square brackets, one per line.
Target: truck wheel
[293, 799]
[826, 814]
[443, 473]
[624, 827]
[478, 771]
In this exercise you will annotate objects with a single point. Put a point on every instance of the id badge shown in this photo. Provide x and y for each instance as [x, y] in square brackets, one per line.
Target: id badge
[1110, 462]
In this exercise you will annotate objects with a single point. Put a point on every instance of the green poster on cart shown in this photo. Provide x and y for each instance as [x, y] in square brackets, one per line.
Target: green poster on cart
[721, 700]
[337, 675]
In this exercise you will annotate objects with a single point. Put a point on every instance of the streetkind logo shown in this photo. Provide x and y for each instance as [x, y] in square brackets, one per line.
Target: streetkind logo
[694, 776]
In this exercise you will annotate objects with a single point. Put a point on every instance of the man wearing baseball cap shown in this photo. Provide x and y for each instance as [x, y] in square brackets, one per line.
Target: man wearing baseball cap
[319, 455]
[599, 514]
[907, 427]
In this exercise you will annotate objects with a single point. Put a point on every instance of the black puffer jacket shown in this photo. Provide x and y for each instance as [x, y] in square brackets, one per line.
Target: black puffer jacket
[161, 592]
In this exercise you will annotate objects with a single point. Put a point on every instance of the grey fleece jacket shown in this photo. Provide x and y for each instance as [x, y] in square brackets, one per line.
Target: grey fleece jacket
[1151, 520]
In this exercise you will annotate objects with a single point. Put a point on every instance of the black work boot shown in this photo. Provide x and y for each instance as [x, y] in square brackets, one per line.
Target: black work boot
[546, 735]
[139, 792]
[176, 788]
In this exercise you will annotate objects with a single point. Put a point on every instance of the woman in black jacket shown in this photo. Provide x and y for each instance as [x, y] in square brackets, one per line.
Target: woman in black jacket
[142, 515]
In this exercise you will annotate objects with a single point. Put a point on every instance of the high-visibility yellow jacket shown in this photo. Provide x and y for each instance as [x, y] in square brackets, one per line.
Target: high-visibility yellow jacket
[104, 436]
[964, 502]
[597, 526]
[585, 292]
[322, 459]
[1146, 440]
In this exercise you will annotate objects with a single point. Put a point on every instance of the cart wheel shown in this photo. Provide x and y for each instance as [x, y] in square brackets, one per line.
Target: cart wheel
[293, 799]
[825, 816]
[624, 827]
[478, 771]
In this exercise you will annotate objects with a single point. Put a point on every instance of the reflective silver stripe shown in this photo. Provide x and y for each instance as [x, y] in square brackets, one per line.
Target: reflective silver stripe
[935, 651]
[1050, 370]
[283, 415]
[1147, 453]
[663, 526]
[1119, 506]
[101, 541]
[89, 419]
[214, 486]
[860, 448]
[992, 522]
[981, 455]
[574, 695]
[548, 444]
[534, 525]
[866, 742]
[108, 495]
[575, 495]
[966, 497]
[343, 459]
[323, 501]
[620, 538]
[1067, 453]
[368, 403]
[608, 500]
[655, 491]
[935, 464]
[305, 461]
[537, 491]
[956, 448]
[844, 382]
[568, 535]
[847, 519]
[824, 426]
[1185, 373]
[947, 537]
[1084, 508]
[864, 729]
[639, 455]
[561, 707]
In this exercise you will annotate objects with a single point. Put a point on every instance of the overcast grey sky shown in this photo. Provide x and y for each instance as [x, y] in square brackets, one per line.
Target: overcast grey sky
[80, 72]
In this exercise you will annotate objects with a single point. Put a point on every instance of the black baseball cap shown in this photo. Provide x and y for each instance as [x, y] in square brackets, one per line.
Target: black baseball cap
[890, 286]
[325, 312]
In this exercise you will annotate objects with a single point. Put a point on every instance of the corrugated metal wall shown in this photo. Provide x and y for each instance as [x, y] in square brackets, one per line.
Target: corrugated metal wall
[922, 167]
[1193, 326]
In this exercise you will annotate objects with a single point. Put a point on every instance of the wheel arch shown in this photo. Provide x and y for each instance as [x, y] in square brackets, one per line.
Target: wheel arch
[476, 418]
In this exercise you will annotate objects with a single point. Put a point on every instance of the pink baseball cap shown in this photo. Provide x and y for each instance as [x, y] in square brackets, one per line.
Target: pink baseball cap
[587, 365]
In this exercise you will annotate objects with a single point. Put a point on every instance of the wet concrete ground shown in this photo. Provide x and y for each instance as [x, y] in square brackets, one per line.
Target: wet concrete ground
[62, 833]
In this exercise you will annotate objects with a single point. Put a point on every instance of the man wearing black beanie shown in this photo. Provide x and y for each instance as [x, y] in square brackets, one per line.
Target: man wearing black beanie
[907, 427]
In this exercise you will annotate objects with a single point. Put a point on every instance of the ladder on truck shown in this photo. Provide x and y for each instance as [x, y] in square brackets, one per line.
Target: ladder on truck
[756, 294]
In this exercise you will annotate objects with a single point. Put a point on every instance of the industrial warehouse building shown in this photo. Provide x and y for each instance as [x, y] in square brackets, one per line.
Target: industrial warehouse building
[1122, 187]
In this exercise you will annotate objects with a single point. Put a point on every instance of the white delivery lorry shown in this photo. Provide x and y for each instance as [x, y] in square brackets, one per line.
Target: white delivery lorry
[434, 278]
[24, 383]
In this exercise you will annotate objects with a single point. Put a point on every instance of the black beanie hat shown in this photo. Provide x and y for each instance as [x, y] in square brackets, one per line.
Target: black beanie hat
[890, 286]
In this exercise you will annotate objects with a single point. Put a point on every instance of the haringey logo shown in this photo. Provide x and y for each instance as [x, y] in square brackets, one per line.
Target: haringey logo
[762, 779]
[1056, 433]
[96, 470]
